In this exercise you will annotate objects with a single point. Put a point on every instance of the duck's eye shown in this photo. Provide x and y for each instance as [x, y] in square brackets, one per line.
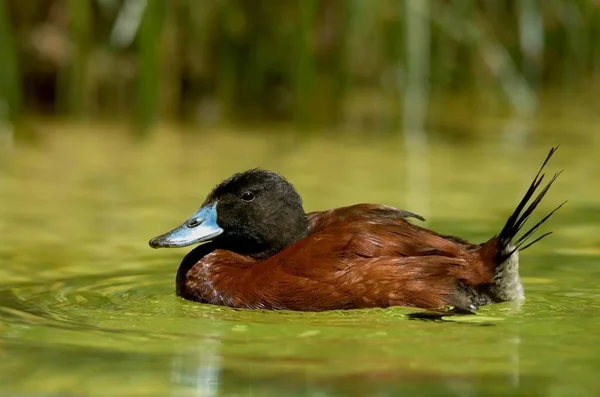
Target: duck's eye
[247, 196]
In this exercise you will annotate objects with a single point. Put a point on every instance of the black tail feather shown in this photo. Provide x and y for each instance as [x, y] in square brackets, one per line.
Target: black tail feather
[517, 220]
[523, 239]
[533, 242]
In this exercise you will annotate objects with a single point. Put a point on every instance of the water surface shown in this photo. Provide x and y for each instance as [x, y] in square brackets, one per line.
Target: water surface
[87, 308]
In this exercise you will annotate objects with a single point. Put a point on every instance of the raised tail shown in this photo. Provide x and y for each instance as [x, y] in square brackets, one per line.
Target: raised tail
[507, 240]
[500, 256]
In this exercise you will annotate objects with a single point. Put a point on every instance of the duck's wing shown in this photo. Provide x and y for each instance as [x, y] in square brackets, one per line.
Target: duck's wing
[350, 245]
[383, 214]
[320, 220]
[374, 236]
[303, 282]
[371, 282]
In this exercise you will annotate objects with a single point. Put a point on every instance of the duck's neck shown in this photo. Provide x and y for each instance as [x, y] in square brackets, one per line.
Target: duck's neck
[260, 249]
[282, 234]
[261, 241]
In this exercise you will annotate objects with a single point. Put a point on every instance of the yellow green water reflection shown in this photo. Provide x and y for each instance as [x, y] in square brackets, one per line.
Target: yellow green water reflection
[87, 308]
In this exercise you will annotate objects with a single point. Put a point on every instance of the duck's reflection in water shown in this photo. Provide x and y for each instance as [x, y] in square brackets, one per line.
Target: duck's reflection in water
[200, 372]
[210, 372]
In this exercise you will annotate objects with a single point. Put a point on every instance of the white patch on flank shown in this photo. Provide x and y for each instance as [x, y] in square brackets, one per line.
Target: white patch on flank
[507, 285]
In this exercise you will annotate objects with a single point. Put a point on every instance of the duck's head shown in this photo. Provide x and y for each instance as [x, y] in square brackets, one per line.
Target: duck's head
[256, 213]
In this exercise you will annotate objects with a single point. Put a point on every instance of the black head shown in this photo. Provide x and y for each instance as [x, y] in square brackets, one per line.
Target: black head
[255, 213]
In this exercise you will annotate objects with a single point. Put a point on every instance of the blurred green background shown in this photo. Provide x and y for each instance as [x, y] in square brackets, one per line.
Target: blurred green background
[311, 63]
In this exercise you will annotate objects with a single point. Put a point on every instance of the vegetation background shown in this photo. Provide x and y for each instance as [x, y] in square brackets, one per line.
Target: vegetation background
[310, 63]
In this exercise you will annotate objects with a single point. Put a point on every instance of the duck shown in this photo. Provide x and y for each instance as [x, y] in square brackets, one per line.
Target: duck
[258, 249]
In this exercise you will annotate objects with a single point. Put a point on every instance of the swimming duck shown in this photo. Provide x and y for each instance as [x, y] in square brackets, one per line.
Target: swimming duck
[261, 250]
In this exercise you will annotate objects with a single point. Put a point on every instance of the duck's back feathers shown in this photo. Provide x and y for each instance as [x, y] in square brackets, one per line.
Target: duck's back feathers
[319, 220]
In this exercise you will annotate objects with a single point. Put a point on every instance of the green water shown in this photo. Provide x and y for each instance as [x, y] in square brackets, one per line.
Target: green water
[87, 308]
